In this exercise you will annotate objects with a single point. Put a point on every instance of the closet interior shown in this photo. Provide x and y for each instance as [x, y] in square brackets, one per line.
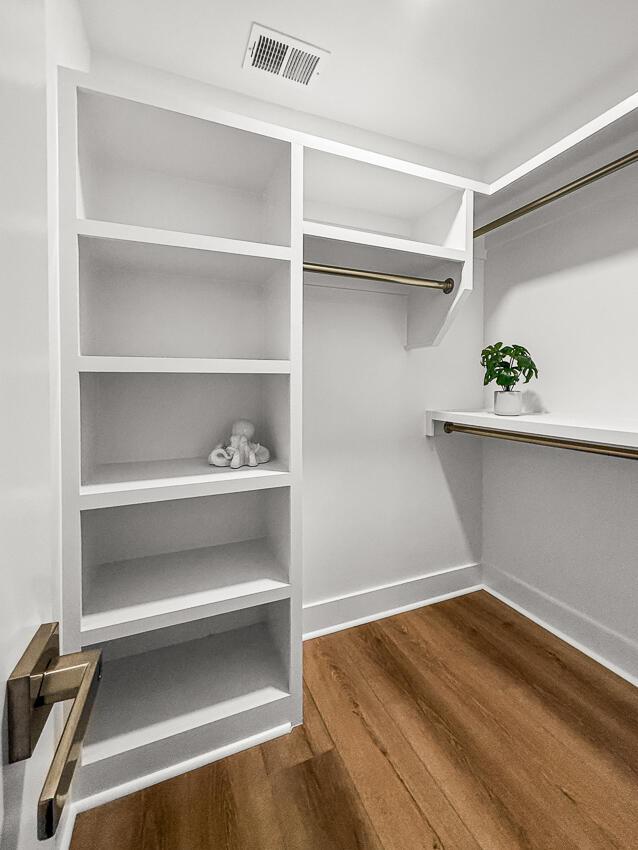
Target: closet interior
[194, 250]
[318, 492]
[183, 239]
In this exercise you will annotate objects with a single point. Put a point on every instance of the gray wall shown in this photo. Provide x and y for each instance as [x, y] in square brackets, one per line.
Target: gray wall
[560, 534]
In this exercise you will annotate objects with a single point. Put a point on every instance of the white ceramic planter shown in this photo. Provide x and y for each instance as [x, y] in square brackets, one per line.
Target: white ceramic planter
[508, 403]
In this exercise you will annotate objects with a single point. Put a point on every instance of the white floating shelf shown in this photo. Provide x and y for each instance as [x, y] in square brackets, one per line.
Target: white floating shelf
[188, 365]
[155, 236]
[542, 424]
[131, 483]
[155, 695]
[381, 240]
[133, 596]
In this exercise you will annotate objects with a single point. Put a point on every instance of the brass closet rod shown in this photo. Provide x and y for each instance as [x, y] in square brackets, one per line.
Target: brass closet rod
[539, 440]
[567, 189]
[343, 271]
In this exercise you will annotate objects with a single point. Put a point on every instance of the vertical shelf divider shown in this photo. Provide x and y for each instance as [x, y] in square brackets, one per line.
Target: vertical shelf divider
[296, 413]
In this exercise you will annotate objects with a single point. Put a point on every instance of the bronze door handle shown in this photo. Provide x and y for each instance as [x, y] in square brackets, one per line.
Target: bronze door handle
[41, 678]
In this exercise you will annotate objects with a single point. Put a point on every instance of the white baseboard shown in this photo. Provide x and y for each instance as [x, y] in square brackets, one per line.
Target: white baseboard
[609, 648]
[77, 806]
[354, 609]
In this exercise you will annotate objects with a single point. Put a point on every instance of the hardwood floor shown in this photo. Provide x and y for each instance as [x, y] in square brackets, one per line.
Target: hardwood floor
[460, 726]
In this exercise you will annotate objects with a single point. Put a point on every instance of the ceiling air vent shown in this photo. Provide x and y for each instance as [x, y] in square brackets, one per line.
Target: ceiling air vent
[283, 56]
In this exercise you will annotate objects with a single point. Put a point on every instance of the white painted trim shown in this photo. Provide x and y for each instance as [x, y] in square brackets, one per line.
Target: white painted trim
[384, 161]
[295, 406]
[605, 646]
[609, 648]
[381, 616]
[154, 778]
[568, 141]
[354, 609]
[466, 284]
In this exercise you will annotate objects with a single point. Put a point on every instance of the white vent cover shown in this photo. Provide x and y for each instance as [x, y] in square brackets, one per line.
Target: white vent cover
[283, 56]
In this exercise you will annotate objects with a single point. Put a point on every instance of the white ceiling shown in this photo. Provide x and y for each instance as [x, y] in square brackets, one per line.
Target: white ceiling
[489, 81]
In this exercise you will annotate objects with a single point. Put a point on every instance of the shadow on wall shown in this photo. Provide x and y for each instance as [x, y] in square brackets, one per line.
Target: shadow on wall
[461, 460]
[570, 529]
[533, 403]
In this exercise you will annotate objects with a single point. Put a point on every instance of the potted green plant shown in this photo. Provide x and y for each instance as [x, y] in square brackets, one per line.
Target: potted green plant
[507, 364]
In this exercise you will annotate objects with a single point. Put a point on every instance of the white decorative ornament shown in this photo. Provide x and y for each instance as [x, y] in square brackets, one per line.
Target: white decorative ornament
[240, 451]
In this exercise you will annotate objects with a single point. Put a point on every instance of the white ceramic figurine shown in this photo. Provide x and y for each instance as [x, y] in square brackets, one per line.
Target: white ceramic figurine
[240, 451]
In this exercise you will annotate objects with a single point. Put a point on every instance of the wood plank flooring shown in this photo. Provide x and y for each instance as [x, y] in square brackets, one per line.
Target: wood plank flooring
[460, 726]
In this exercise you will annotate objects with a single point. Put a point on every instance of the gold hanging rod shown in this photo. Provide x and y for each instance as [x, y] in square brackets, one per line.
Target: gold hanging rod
[539, 440]
[342, 271]
[567, 189]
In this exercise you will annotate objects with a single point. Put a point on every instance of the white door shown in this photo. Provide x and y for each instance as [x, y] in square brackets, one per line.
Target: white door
[27, 507]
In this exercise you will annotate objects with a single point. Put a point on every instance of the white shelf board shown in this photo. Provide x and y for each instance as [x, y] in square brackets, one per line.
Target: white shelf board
[133, 596]
[189, 365]
[115, 256]
[588, 430]
[381, 240]
[168, 691]
[176, 239]
[114, 484]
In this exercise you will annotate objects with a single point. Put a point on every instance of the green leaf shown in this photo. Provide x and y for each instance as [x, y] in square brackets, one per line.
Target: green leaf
[507, 365]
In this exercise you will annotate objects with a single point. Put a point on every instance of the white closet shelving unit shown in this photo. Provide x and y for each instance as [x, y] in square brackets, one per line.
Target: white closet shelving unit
[180, 312]
[182, 240]
[358, 214]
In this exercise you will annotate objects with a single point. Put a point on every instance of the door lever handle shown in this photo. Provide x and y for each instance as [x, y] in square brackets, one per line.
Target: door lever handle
[41, 678]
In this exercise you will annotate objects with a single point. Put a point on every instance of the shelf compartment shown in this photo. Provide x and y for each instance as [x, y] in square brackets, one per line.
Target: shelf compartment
[138, 428]
[344, 192]
[153, 565]
[136, 160]
[171, 681]
[142, 299]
